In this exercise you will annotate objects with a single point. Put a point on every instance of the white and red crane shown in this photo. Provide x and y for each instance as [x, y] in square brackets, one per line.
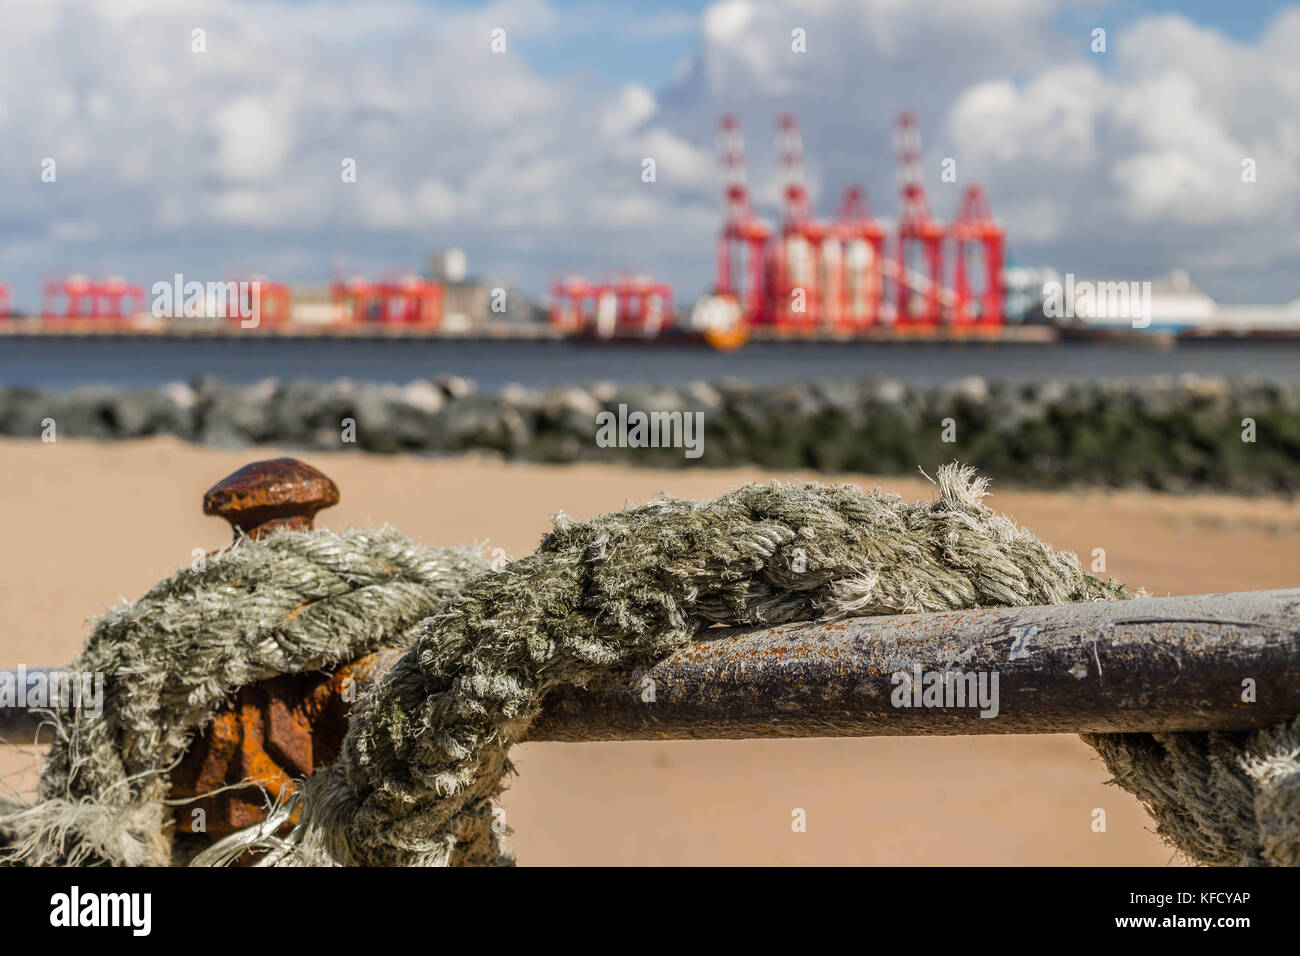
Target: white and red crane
[851, 275]
[629, 306]
[794, 293]
[861, 282]
[81, 297]
[397, 298]
[743, 241]
[917, 292]
[976, 231]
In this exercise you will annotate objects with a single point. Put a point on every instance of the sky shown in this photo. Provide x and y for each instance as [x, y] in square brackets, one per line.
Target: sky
[229, 160]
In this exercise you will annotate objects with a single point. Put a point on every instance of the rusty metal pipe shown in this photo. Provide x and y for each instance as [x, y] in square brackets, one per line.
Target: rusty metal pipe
[1208, 662]
[1148, 665]
[19, 723]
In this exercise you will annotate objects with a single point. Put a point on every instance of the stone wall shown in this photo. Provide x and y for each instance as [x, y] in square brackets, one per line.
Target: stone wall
[1173, 434]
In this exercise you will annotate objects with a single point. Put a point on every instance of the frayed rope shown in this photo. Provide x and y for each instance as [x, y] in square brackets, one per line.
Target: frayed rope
[427, 750]
[292, 603]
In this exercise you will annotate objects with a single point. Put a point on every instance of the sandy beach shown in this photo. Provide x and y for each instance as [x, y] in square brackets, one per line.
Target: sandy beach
[94, 524]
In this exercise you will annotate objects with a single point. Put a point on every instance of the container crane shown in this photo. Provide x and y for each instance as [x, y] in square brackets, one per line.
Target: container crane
[918, 295]
[976, 229]
[794, 292]
[862, 255]
[744, 237]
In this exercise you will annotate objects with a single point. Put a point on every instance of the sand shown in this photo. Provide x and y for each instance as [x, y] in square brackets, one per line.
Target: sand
[92, 524]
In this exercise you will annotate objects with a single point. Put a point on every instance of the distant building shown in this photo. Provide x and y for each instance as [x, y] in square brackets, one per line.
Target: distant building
[317, 305]
[448, 266]
[466, 305]
[471, 302]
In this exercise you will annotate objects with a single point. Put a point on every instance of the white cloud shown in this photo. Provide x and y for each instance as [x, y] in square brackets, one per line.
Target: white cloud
[437, 201]
[1140, 166]
[184, 160]
[635, 105]
[725, 21]
[74, 230]
[1051, 119]
[242, 207]
[630, 211]
[254, 139]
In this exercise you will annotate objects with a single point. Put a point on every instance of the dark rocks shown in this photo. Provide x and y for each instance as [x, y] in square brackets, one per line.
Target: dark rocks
[453, 386]
[231, 414]
[480, 422]
[1168, 433]
[23, 410]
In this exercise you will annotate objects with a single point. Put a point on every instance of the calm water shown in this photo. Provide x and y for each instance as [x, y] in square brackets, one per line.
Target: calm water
[60, 363]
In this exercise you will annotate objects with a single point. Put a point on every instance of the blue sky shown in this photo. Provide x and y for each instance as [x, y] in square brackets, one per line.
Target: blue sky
[226, 162]
[1240, 19]
[647, 55]
[654, 37]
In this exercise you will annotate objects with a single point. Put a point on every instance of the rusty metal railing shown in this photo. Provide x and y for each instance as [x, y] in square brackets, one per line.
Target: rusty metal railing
[1208, 662]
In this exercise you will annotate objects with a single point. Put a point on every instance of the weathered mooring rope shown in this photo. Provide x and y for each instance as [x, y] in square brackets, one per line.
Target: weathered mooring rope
[291, 603]
[1226, 799]
[427, 750]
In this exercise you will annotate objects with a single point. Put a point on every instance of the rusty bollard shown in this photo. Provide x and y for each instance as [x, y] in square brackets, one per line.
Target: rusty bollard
[278, 729]
[282, 494]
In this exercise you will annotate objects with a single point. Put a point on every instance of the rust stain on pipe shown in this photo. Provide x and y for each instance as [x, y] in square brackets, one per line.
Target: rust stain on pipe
[272, 734]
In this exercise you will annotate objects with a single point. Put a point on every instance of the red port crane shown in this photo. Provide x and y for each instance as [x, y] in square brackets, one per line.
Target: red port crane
[628, 307]
[642, 306]
[839, 274]
[975, 229]
[6, 303]
[917, 294]
[269, 303]
[408, 299]
[398, 298]
[743, 236]
[794, 291]
[354, 299]
[861, 261]
[84, 298]
[568, 312]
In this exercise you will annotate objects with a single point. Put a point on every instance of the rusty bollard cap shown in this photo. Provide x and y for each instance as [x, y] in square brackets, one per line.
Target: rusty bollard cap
[281, 494]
